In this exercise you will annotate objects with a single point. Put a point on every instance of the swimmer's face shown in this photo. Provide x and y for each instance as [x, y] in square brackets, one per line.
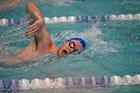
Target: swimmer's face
[69, 47]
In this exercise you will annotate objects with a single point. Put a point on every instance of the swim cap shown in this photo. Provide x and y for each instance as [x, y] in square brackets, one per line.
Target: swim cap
[83, 43]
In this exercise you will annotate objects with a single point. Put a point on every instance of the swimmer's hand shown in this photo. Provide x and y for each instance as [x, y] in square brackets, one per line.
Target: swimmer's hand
[38, 23]
[34, 28]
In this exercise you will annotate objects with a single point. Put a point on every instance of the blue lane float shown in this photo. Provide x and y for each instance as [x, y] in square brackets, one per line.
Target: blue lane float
[11, 85]
[16, 22]
[11, 21]
[104, 18]
[87, 19]
[68, 83]
[73, 19]
[92, 18]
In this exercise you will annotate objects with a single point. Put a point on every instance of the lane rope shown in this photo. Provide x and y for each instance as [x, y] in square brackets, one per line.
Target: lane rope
[73, 19]
[80, 82]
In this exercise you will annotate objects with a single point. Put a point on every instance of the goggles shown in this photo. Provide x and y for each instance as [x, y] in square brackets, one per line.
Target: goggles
[72, 45]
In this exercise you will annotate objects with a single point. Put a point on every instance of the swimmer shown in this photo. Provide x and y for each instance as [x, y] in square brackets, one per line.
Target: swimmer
[43, 43]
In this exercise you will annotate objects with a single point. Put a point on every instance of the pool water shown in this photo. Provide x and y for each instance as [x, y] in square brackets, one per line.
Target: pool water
[113, 47]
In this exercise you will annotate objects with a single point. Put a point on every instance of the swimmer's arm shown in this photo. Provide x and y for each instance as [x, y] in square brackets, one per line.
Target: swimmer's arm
[11, 59]
[18, 56]
[37, 22]
[21, 55]
[37, 29]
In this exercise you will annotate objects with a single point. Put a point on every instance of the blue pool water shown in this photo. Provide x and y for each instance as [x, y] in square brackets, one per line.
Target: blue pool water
[113, 47]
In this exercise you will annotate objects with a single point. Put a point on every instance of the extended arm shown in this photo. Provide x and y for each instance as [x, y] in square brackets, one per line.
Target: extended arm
[36, 26]
[36, 20]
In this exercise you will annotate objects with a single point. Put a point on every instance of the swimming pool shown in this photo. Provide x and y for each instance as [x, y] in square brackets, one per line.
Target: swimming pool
[113, 46]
